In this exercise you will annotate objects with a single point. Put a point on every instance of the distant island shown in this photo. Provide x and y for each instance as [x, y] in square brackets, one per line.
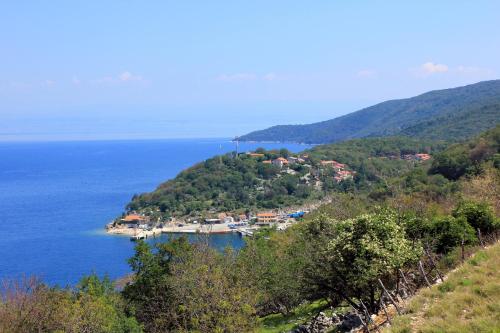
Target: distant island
[449, 114]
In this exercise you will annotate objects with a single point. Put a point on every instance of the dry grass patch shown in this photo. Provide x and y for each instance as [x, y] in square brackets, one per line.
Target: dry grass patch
[468, 301]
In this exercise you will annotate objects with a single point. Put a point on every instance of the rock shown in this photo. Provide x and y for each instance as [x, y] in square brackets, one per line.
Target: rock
[349, 322]
[320, 324]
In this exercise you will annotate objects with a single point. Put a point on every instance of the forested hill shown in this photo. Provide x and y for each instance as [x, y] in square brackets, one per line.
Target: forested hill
[449, 114]
[231, 183]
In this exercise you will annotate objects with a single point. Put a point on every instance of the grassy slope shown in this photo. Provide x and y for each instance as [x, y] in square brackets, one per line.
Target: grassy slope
[278, 323]
[468, 301]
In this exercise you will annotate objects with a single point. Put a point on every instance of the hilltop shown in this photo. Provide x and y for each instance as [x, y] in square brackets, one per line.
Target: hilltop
[449, 114]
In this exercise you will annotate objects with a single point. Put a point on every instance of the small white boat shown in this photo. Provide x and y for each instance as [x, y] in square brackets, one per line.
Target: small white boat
[138, 236]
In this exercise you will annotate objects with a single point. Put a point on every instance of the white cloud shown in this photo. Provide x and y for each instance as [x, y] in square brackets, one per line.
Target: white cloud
[242, 77]
[237, 77]
[127, 76]
[48, 83]
[124, 77]
[270, 77]
[473, 70]
[431, 68]
[366, 73]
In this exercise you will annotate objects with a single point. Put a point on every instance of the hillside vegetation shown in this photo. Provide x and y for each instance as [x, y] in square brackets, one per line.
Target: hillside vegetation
[241, 183]
[468, 301]
[449, 114]
[334, 259]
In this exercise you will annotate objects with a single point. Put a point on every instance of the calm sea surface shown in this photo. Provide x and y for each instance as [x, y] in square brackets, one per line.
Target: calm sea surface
[55, 199]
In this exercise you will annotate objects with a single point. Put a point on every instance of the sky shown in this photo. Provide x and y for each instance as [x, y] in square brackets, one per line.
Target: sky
[91, 70]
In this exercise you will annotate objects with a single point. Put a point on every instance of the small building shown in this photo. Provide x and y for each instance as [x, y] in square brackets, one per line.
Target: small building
[228, 219]
[134, 220]
[344, 175]
[213, 221]
[255, 154]
[422, 157]
[267, 162]
[266, 218]
[334, 164]
[280, 162]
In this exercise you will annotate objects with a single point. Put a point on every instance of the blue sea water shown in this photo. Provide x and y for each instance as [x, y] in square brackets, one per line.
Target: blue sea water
[55, 198]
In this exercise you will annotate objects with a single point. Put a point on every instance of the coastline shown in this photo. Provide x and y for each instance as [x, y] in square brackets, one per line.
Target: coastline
[172, 228]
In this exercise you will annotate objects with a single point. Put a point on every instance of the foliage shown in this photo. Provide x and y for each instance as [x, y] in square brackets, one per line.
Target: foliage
[449, 232]
[348, 257]
[210, 295]
[483, 188]
[30, 306]
[478, 215]
[450, 114]
[467, 159]
[272, 265]
[184, 288]
[224, 183]
[278, 323]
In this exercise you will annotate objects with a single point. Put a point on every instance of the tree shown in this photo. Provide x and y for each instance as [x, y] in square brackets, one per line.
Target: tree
[209, 294]
[181, 287]
[478, 215]
[348, 257]
[284, 152]
[150, 293]
[271, 264]
[30, 306]
[449, 232]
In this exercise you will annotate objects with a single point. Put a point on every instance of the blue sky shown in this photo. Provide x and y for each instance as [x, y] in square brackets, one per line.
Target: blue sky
[157, 69]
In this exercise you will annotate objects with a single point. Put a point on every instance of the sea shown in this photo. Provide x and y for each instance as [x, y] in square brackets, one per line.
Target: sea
[56, 197]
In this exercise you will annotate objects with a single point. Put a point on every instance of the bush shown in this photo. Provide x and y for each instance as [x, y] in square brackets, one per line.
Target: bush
[478, 215]
[449, 232]
[348, 257]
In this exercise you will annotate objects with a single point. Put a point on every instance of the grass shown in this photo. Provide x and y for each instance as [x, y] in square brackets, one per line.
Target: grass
[468, 300]
[278, 323]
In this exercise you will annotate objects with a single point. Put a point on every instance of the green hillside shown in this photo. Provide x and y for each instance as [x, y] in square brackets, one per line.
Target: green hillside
[232, 183]
[449, 114]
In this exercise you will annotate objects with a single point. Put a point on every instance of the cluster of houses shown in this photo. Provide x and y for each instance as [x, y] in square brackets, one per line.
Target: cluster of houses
[137, 221]
[416, 157]
[280, 161]
[340, 170]
[409, 157]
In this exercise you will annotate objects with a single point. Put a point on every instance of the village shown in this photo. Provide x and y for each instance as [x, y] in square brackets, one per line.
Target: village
[137, 225]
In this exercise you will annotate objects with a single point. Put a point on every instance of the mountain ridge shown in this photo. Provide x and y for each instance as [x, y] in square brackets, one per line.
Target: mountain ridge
[402, 117]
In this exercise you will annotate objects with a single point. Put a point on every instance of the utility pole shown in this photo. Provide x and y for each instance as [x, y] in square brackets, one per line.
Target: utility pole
[220, 155]
[237, 146]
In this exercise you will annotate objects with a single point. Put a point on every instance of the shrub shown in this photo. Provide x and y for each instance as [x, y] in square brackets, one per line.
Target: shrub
[478, 215]
[449, 232]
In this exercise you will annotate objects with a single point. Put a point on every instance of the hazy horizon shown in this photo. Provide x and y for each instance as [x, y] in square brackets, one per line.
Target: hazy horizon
[104, 71]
